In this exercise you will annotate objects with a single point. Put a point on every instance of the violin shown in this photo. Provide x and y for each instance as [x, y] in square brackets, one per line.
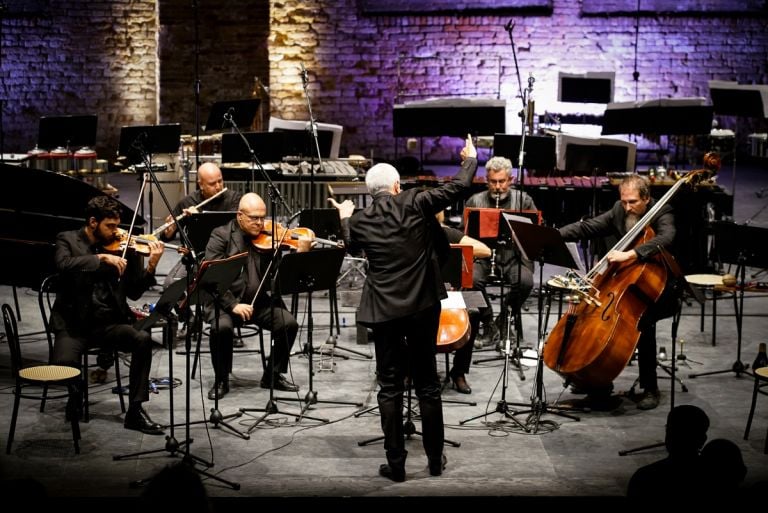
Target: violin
[288, 237]
[137, 243]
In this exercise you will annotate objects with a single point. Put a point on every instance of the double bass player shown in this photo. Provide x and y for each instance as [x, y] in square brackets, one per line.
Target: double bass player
[635, 201]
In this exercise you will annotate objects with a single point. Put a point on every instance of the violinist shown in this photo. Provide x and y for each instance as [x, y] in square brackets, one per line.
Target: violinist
[237, 305]
[91, 306]
[635, 200]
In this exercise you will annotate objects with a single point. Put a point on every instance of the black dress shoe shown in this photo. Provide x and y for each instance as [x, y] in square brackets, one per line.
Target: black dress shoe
[397, 476]
[223, 389]
[138, 420]
[436, 467]
[461, 385]
[280, 384]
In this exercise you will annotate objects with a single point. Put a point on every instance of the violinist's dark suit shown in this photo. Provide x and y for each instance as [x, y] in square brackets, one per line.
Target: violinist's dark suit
[404, 245]
[91, 308]
[227, 241]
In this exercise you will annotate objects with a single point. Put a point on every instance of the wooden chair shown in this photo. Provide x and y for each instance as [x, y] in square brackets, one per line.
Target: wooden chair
[45, 302]
[37, 376]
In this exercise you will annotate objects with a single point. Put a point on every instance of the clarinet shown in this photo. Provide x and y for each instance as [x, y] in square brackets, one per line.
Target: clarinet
[493, 274]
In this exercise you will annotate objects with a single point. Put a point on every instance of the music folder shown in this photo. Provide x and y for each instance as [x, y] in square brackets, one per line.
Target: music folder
[484, 224]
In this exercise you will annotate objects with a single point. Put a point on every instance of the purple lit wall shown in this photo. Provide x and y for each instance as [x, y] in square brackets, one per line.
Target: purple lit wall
[133, 61]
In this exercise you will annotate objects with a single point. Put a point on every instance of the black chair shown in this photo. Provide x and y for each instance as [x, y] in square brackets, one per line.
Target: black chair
[37, 376]
[45, 302]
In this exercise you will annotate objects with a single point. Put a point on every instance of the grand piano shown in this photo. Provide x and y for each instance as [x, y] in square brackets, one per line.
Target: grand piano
[35, 205]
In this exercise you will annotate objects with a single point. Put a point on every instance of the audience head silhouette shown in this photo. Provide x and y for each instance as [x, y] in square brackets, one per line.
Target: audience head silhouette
[180, 484]
[686, 430]
[723, 465]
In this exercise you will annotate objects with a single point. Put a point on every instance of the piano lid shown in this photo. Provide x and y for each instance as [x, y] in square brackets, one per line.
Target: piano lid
[35, 205]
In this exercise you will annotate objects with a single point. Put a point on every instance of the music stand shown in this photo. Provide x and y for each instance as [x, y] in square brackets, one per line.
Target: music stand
[212, 281]
[539, 150]
[242, 111]
[200, 225]
[165, 304]
[67, 131]
[481, 224]
[744, 246]
[309, 272]
[545, 245]
[732, 99]
[138, 141]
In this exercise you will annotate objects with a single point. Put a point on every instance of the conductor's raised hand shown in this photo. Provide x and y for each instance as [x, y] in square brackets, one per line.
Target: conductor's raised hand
[469, 149]
[346, 208]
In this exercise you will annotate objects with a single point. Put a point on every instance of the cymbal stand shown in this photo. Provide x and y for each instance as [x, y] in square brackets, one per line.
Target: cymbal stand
[538, 405]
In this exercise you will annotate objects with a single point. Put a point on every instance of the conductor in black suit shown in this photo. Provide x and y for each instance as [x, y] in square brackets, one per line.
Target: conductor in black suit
[400, 302]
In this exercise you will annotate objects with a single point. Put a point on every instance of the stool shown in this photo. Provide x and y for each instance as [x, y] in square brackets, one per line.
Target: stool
[761, 380]
[707, 282]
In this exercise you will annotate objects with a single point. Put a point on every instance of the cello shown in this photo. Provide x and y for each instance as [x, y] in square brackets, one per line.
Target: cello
[593, 342]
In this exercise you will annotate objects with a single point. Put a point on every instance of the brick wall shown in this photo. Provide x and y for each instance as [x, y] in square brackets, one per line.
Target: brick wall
[78, 57]
[102, 56]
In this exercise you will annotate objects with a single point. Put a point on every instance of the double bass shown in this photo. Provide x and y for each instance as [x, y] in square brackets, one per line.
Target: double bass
[593, 342]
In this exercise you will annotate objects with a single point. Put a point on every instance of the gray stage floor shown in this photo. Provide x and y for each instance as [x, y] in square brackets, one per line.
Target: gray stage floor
[290, 457]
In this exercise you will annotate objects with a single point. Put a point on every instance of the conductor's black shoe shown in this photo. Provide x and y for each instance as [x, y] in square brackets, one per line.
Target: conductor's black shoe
[436, 467]
[397, 476]
[280, 384]
[138, 420]
[649, 400]
[222, 389]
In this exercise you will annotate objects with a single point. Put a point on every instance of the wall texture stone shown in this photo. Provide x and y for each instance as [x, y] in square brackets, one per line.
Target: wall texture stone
[134, 62]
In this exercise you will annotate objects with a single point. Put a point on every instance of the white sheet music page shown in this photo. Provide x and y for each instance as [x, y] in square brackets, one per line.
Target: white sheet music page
[454, 300]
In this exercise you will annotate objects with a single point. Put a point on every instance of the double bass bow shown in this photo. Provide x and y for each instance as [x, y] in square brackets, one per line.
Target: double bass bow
[593, 342]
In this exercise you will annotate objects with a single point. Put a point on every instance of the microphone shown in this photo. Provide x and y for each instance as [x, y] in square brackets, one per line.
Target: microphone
[228, 114]
[304, 77]
[509, 26]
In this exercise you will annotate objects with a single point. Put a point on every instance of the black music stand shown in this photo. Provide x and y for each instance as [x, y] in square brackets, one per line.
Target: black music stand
[242, 111]
[732, 99]
[325, 224]
[309, 272]
[212, 281]
[539, 150]
[744, 246]
[136, 142]
[67, 131]
[200, 225]
[163, 308]
[502, 238]
[545, 245]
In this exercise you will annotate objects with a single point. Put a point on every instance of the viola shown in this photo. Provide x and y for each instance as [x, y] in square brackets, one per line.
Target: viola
[288, 237]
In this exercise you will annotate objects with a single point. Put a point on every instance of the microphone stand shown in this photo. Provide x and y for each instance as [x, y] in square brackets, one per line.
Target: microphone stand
[274, 192]
[313, 132]
[195, 8]
[172, 445]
